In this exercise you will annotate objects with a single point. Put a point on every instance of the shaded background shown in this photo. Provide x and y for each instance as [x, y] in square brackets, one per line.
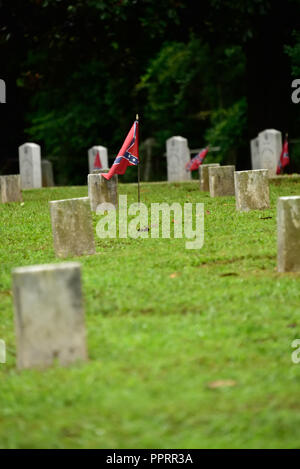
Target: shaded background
[214, 71]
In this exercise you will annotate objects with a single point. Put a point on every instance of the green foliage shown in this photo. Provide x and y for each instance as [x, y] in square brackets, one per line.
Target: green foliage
[294, 53]
[183, 86]
[228, 131]
[84, 68]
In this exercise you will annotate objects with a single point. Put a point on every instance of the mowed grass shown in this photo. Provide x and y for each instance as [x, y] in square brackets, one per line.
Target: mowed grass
[187, 348]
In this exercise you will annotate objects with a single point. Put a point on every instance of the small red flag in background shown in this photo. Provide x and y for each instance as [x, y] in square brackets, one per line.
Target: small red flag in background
[97, 162]
[129, 153]
[197, 160]
[284, 157]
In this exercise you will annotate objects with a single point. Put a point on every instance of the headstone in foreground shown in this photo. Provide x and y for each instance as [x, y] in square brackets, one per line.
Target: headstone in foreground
[47, 174]
[288, 234]
[203, 175]
[254, 148]
[221, 181]
[252, 190]
[49, 315]
[178, 156]
[102, 190]
[270, 146]
[92, 152]
[10, 189]
[30, 166]
[72, 227]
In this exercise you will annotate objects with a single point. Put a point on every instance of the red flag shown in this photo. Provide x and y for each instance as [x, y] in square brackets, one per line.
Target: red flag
[97, 162]
[197, 160]
[129, 153]
[284, 157]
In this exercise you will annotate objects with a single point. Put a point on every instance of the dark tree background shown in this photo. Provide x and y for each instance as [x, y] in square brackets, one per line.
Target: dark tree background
[214, 71]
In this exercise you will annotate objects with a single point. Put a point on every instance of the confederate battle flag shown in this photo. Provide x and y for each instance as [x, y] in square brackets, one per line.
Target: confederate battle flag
[284, 157]
[197, 160]
[97, 162]
[129, 153]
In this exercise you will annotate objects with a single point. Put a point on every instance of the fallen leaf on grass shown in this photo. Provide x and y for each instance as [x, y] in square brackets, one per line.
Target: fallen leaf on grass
[174, 275]
[229, 274]
[6, 292]
[222, 383]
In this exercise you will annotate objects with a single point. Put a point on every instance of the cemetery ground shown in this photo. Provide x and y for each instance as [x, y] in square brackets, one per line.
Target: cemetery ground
[187, 348]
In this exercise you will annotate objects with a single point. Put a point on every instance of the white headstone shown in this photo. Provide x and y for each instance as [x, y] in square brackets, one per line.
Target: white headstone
[254, 148]
[288, 234]
[252, 190]
[92, 152]
[30, 166]
[49, 315]
[270, 146]
[178, 156]
[72, 227]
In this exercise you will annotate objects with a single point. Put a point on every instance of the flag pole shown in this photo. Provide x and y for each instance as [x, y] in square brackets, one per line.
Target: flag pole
[139, 173]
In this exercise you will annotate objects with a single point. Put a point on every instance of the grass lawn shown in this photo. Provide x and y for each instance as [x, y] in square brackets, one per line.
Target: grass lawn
[187, 348]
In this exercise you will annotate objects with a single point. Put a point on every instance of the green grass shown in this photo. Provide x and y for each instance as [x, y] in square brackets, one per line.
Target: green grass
[156, 340]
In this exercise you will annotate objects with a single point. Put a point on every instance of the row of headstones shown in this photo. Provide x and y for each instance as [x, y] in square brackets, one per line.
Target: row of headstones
[265, 154]
[36, 173]
[251, 188]
[59, 333]
[72, 221]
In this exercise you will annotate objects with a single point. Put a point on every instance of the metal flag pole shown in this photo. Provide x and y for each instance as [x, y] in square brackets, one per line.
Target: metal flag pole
[139, 173]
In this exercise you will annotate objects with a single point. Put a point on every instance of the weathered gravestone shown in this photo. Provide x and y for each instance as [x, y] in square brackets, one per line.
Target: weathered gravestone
[92, 153]
[270, 146]
[203, 175]
[252, 190]
[178, 156]
[221, 181]
[72, 227]
[254, 148]
[30, 166]
[47, 174]
[49, 315]
[102, 190]
[10, 189]
[288, 234]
